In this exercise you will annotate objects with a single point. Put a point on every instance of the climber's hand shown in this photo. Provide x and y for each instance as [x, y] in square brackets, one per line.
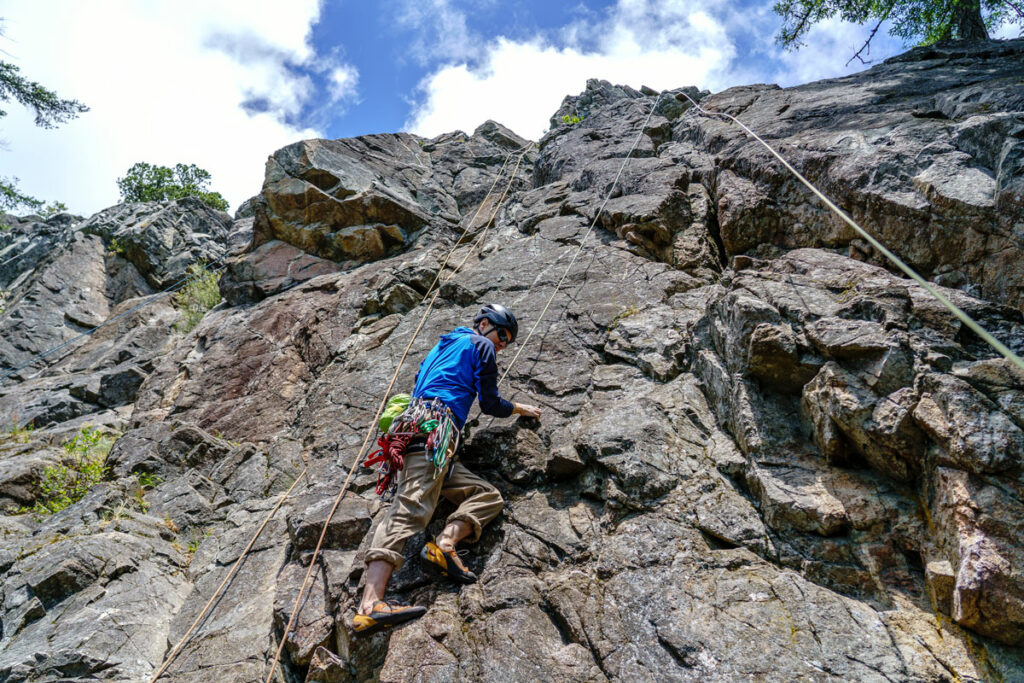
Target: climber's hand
[526, 410]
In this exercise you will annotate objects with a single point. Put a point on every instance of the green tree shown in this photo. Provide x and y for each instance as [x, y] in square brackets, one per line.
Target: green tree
[148, 183]
[12, 199]
[920, 22]
[50, 110]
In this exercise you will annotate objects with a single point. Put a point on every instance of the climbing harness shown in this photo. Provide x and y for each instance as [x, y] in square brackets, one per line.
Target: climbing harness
[429, 421]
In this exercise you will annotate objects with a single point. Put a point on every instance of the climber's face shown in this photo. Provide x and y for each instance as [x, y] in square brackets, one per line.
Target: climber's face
[498, 335]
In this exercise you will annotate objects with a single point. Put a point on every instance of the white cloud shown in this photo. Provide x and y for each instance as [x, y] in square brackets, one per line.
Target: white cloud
[195, 81]
[344, 80]
[1008, 32]
[662, 44]
[440, 31]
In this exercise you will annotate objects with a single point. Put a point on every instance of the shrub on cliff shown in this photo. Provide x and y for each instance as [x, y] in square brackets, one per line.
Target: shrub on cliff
[66, 483]
[197, 297]
[148, 183]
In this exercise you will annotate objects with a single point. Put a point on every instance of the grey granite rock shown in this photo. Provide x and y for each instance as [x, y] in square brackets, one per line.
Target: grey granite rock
[762, 455]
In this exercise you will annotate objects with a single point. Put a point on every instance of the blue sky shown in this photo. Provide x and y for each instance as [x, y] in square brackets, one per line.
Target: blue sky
[224, 83]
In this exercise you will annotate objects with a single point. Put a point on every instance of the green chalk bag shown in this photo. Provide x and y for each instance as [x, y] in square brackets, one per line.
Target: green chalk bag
[396, 405]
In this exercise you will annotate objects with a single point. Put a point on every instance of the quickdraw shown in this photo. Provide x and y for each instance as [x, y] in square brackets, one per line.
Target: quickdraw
[430, 418]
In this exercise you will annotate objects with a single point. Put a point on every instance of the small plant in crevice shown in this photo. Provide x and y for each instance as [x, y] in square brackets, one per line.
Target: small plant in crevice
[19, 433]
[116, 247]
[194, 544]
[196, 540]
[148, 480]
[632, 310]
[66, 483]
[572, 119]
[220, 435]
[109, 516]
[197, 297]
[143, 482]
[139, 499]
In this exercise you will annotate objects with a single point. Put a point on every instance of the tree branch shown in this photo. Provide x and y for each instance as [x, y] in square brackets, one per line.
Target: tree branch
[866, 42]
[1014, 7]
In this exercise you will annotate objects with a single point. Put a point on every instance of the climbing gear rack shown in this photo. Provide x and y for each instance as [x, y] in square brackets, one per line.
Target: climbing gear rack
[428, 420]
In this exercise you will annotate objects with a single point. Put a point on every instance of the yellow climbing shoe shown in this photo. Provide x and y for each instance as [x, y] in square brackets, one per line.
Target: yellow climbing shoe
[385, 615]
[447, 562]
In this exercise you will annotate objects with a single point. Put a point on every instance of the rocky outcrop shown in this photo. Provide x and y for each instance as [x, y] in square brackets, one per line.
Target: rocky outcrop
[162, 239]
[925, 151]
[99, 273]
[762, 454]
[327, 205]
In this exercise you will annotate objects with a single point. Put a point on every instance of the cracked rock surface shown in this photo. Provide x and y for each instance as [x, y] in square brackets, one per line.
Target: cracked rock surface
[763, 455]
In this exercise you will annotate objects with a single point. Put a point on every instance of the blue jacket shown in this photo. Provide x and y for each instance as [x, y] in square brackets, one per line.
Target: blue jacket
[457, 370]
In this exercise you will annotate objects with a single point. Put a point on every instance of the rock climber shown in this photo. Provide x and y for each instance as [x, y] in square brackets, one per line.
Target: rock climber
[458, 369]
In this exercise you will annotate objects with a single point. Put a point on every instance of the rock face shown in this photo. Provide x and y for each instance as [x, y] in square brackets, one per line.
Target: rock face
[763, 455]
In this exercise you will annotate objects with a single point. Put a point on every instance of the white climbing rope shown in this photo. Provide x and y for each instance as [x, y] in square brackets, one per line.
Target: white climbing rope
[931, 289]
[177, 648]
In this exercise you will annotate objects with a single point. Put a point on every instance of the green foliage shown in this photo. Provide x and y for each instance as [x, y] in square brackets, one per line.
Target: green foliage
[148, 183]
[11, 199]
[914, 21]
[572, 120]
[115, 247]
[50, 110]
[197, 297]
[52, 209]
[139, 498]
[148, 480]
[65, 484]
[194, 544]
[22, 434]
[632, 310]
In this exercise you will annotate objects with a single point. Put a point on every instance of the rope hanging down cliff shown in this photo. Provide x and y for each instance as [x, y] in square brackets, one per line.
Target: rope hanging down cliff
[931, 289]
[522, 152]
[337, 501]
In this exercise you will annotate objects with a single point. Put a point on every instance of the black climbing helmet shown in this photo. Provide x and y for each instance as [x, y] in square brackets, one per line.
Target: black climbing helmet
[499, 317]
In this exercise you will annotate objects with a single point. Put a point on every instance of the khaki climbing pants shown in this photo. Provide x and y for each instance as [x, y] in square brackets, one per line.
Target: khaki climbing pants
[417, 496]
